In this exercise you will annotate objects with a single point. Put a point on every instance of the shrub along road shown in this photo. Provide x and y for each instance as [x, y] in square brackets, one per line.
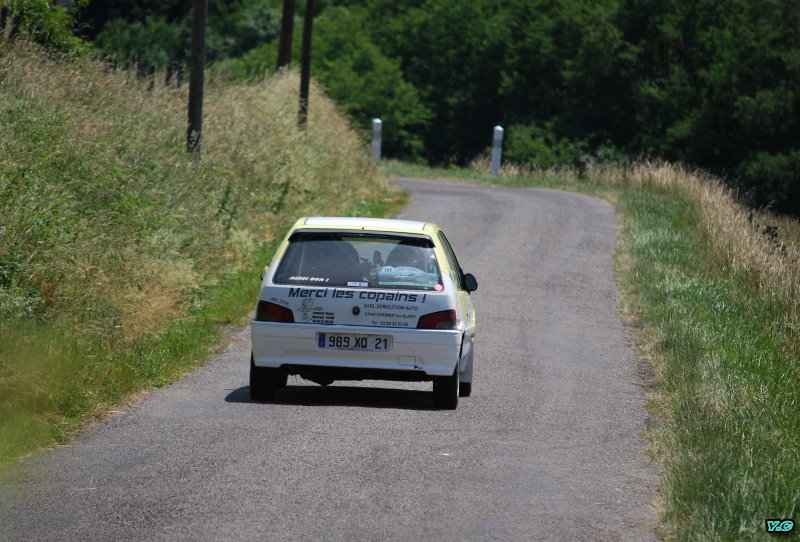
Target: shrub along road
[549, 446]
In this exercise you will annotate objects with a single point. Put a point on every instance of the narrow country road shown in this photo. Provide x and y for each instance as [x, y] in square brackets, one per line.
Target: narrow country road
[548, 447]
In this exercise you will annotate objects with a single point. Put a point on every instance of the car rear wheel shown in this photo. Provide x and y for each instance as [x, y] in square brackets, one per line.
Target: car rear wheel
[445, 391]
[265, 382]
[464, 389]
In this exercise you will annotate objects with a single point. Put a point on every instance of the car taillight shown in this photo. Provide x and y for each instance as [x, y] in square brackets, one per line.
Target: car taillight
[439, 320]
[270, 312]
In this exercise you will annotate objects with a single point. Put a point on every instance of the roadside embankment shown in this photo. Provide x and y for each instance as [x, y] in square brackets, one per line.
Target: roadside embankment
[121, 255]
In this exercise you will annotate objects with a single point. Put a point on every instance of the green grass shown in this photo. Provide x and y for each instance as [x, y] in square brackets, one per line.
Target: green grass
[66, 381]
[730, 431]
[723, 344]
[122, 259]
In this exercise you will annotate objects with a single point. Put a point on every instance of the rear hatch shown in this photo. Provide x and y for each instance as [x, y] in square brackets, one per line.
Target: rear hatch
[357, 278]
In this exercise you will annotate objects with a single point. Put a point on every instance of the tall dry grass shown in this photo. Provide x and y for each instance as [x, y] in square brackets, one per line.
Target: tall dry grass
[737, 233]
[720, 296]
[105, 217]
[120, 252]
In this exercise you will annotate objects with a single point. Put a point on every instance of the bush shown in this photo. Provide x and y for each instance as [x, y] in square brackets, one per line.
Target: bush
[775, 176]
[238, 27]
[533, 146]
[255, 65]
[43, 22]
[152, 44]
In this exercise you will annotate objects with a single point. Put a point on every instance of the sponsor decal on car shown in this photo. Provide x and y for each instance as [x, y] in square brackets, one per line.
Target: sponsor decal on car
[392, 309]
[336, 293]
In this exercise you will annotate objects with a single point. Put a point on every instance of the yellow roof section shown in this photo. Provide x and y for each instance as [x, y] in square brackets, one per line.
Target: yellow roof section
[367, 224]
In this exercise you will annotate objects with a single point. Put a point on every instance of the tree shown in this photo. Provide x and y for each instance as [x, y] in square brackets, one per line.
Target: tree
[716, 88]
[161, 35]
[151, 44]
[450, 51]
[44, 22]
[709, 83]
[368, 83]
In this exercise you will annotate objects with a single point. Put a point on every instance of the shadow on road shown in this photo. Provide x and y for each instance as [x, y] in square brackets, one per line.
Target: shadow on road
[343, 396]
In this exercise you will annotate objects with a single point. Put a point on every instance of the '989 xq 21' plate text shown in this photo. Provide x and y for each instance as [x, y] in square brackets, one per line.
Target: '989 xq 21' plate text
[359, 343]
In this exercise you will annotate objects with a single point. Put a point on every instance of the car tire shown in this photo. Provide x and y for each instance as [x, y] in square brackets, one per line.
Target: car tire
[445, 391]
[265, 382]
[464, 389]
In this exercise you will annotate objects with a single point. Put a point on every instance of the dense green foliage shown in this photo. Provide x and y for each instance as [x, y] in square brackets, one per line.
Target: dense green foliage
[715, 84]
[151, 38]
[703, 82]
[42, 21]
[699, 81]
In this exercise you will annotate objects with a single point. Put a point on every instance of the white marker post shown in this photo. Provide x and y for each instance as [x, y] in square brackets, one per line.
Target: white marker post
[497, 149]
[377, 127]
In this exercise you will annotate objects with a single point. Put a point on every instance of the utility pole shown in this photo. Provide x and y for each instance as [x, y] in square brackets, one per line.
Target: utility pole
[305, 69]
[287, 29]
[196, 76]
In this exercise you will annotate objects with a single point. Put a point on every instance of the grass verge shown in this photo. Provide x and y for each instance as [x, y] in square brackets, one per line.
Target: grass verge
[67, 380]
[122, 259]
[718, 302]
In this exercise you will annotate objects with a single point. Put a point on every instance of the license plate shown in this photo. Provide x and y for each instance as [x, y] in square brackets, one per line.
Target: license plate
[358, 343]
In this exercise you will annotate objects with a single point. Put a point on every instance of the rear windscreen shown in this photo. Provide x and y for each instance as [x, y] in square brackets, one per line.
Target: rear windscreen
[359, 260]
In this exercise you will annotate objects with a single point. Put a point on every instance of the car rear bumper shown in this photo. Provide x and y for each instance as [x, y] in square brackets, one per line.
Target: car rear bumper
[429, 352]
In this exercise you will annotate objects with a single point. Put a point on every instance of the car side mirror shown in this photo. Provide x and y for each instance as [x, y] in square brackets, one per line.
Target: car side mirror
[470, 282]
[264, 272]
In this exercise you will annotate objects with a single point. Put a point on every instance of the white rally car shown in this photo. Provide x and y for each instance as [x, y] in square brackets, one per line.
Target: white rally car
[364, 299]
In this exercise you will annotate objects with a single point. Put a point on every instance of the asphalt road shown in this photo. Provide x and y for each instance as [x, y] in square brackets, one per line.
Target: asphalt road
[549, 446]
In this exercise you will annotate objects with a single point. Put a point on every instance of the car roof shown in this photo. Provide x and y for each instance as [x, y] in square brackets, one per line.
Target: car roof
[369, 224]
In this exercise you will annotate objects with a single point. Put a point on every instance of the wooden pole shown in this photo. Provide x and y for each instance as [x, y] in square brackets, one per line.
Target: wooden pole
[305, 69]
[287, 29]
[197, 62]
